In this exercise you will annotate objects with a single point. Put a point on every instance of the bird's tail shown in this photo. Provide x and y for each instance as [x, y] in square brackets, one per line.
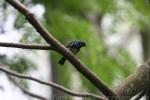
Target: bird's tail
[62, 61]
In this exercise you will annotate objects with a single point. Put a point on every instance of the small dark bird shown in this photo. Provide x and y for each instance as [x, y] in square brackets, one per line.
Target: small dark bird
[74, 47]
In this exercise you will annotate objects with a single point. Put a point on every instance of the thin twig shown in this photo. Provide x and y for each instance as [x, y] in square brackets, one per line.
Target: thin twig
[27, 46]
[140, 95]
[99, 84]
[59, 87]
[24, 90]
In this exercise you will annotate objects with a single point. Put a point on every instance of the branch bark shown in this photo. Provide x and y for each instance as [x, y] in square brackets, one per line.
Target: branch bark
[62, 50]
[59, 87]
[27, 46]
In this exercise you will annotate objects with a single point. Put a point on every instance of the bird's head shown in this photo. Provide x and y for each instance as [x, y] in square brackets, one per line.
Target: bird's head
[81, 44]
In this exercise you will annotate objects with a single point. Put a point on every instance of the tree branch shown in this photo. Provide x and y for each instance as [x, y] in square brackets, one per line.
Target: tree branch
[27, 46]
[136, 82]
[24, 90]
[59, 87]
[62, 50]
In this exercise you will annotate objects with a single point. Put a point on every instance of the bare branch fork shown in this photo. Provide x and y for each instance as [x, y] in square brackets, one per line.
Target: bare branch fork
[62, 50]
[27, 46]
[59, 87]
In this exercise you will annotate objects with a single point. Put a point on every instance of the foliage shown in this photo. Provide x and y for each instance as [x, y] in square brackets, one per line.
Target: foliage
[142, 6]
[30, 35]
[18, 63]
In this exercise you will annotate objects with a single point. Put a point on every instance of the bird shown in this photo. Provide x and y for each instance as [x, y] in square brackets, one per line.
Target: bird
[74, 47]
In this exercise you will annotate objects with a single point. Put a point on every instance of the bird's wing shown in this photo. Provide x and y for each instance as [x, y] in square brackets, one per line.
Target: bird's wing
[71, 44]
